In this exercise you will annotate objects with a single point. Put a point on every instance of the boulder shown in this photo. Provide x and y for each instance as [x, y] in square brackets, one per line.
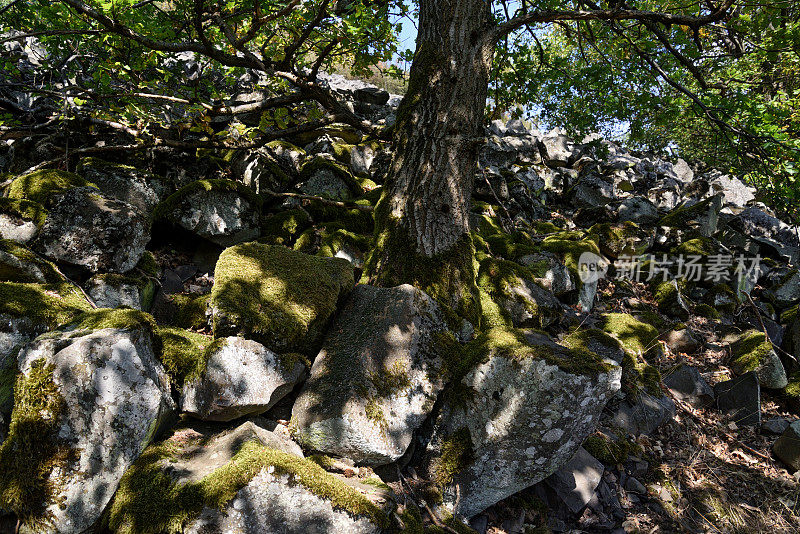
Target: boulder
[752, 351]
[19, 264]
[787, 447]
[740, 399]
[592, 191]
[20, 220]
[376, 378]
[549, 272]
[638, 210]
[642, 413]
[241, 377]
[734, 192]
[576, 482]
[686, 383]
[90, 403]
[769, 230]
[116, 291]
[517, 417]
[558, 150]
[788, 291]
[372, 95]
[88, 229]
[682, 340]
[278, 297]
[138, 188]
[221, 211]
[701, 216]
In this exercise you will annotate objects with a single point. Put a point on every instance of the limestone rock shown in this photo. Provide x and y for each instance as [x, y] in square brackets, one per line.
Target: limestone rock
[754, 352]
[740, 399]
[686, 383]
[86, 228]
[643, 413]
[550, 272]
[558, 150]
[138, 188]
[114, 291]
[787, 448]
[520, 419]
[529, 304]
[576, 482]
[241, 377]
[375, 379]
[113, 396]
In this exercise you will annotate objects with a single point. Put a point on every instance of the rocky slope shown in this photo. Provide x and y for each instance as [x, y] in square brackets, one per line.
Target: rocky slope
[185, 349]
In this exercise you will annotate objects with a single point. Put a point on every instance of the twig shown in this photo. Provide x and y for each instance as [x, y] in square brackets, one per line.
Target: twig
[435, 518]
[322, 200]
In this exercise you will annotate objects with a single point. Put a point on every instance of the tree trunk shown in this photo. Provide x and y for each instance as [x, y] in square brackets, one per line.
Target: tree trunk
[422, 220]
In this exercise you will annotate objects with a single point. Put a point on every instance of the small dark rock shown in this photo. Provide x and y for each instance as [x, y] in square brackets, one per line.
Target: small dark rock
[686, 383]
[740, 398]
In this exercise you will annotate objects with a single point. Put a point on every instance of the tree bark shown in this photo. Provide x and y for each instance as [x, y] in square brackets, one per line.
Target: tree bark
[422, 220]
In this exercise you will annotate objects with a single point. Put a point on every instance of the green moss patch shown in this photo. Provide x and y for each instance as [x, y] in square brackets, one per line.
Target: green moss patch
[669, 295]
[456, 453]
[274, 295]
[570, 245]
[683, 215]
[699, 246]
[284, 227]
[12, 271]
[184, 354]
[118, 318]
[343, 173]
[176, 200]
[39, 186]
[150, 501]
[611, 451]
[637, 338]
[31, 453]
[186, 311]
[510, 246]
[616, 240]
[26, 210]
[498, 277]
[749, 352]
[48, 305]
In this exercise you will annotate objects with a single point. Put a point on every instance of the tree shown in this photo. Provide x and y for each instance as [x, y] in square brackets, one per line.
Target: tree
[422, 226]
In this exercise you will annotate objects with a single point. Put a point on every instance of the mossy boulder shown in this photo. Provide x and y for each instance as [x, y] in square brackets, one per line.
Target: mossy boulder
[241, 377]
[88, 401]
[141, 189]
[326, 178]
[596, 341]
[376, 378]
[197, 480]
[41, 186]
[285, 227]
[281, 298]
[19, 264]
[671, 299]
[43, 306]
[517, 417]
[20, 220]
[636, 337]
[88, 229]
[222, 211]
[617, 240]
[701, 217]
[753, 351]
[116, 290]
[183, 311]
[513, 288]
[345, 132]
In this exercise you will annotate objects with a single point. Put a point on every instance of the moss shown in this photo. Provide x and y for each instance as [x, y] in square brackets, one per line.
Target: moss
[26, 210]
[722, 298]
[39, 186]
[411, 520]
[343, 173]
[11, 272]
[488, 225]
[570, 245]
[510, 246]
[345, 132]
[184, 354]
[120, 318]
[586, 338]
[170, 205]
[637, 338]
[749, 352]
[709, 312]
[188, 311]
[392, 380]
[282, 228]
[683, 215]
[498, 277]
[492, 315]
[456, 453]
[328, 239]
[668, 295]
[150, 501]
[792, 391]
[638, 375]
[322, 460]
[545, 228]
[789, 316]
[47, 305]
[699, 246]
[341, 151]
[277, 296]
[374, 412]
[148, 265]
[31, 456]
[616, 240]
[351, 219]
[611, 451]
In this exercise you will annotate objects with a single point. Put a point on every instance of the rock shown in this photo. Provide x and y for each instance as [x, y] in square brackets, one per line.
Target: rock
[682, 341]
[752, 351]
[361, 159]
[787, 447]
[551, 273]
[518, 419]
[734, 192]
[18, 264]
[633, 485]
[271, 167]
[576, 482]
[701, 216]
[686, 383]
[643, 413]
[96, 399]
[529, 304]
[20, 220]
[375, 379]
[86, 228]
[326, 183]
[596, 341]
[116, 291]
[372, 95]
[140, 189]
[242, 377]
[251, 478]
[558, 150]
[516, 127]
[775, 425]
[280, 298]
[788, 292]
[762, 226]
[221, 211]
[740, 399]
[638, 210]
[683, 171]
[592, 191]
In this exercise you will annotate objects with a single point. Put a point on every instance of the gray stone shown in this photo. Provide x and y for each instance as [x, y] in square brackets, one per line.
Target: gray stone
[683, 171]
[242, 377]
[116, 398]
[576, 482]
[558, 150]
[376, 378]
[516, 127]
[523, 419]
[223, 217]
[633, 485]
[529, 304]
[361, 158]
[138, 188]
[274, 503]
[86, 228]
[752, 351]
[639, 210]
[643, 414]
[587, 294]
[775, 425]
[762, 226]
[682, 340]
[787, 447]
[16, 229]
[686, 383]
[592, 191]
[734, 192]
[110, 293]
[740, 399]
[372, 95]
[788, 292]
[550, 272]
[326, 183]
